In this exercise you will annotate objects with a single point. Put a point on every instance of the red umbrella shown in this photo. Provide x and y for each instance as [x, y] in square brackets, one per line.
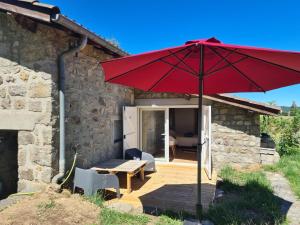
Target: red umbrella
[206, 67]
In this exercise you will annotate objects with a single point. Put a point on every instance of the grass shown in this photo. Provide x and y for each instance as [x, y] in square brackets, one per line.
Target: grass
[248, 200]
[96, 199]
[47, 205]
[166, 220]
[112, 217]
[289, 166]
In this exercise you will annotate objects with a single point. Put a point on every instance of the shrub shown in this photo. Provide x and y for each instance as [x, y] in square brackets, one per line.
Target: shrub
[285, 131]
[289, 142]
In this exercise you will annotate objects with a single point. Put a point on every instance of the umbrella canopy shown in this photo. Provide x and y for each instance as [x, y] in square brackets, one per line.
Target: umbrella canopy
[227, 69]
[206, 67]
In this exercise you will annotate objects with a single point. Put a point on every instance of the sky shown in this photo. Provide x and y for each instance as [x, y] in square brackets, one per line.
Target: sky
[143, 25]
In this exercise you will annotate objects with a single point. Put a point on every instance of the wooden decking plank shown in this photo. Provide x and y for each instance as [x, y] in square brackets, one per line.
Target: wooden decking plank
[172, 187]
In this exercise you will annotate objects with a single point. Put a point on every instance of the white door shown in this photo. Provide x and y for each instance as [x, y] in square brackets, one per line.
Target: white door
[130, 127]
[206, 139]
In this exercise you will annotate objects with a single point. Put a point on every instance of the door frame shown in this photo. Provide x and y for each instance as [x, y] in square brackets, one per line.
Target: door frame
[167, 127]
[159, 104]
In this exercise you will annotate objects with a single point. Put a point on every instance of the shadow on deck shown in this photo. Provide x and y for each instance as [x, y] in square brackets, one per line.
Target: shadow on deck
[173, 187]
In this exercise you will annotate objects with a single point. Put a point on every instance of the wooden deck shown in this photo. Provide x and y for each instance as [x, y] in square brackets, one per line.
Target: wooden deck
[182, 156]
[172, 187]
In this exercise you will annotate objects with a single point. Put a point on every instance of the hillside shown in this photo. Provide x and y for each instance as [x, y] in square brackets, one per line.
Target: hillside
[286, 109]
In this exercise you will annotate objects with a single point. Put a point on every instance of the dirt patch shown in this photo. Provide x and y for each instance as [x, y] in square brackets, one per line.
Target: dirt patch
[51, 208]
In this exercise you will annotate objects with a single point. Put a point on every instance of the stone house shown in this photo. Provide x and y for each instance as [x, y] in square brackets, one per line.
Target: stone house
[235, 126]
[53, 101]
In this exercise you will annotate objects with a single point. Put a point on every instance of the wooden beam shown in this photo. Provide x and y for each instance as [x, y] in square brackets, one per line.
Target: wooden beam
[265, 112]
[26, 12]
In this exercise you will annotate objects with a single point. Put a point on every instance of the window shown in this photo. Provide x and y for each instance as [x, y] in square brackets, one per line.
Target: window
[118, 131]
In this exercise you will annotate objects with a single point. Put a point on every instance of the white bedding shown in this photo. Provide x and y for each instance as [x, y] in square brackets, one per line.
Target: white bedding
[187, 141]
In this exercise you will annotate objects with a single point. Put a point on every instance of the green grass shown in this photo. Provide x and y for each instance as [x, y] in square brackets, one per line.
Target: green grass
[289, 166]
[248, 199]
[166, 220]
[96, 199]
[47, 205]
[112, 217]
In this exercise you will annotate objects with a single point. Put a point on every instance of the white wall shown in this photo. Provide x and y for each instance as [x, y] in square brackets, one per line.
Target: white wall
[185, 121]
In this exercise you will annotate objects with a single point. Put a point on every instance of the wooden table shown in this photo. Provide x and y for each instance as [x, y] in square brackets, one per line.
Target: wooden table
[131, 167]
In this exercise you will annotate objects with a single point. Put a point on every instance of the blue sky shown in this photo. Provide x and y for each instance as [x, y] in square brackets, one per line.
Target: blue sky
[143, 25]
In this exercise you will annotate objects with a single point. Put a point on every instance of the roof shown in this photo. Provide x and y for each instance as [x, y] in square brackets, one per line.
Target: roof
[51, 14]
[251, 105]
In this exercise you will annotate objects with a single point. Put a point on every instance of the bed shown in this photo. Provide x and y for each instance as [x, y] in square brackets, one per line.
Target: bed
[187, 141]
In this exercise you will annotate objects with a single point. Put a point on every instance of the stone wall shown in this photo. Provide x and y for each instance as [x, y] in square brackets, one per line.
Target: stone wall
[28, 75]
[268, 156]
[147, 95]
[29, 100]
[92, 106]
[235, 136]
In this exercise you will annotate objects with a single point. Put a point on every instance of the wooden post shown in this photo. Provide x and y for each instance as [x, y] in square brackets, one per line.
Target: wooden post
[129, 175]
[142, 173]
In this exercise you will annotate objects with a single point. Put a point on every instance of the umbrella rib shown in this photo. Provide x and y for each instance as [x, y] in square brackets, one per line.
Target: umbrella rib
[259, 59]
[168, 73]
[146, 64]
[175, 65]
[223, 67]
[220, 61]
[238, 70]
[195, 72]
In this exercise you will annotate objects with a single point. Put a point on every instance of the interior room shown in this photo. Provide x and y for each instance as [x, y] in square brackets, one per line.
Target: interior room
[183, 134]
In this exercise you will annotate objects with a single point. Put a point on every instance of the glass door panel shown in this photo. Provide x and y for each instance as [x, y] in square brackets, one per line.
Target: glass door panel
[153, 132]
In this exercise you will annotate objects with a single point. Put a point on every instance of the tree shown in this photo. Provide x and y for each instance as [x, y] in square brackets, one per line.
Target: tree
[294, 108]
[289, 142]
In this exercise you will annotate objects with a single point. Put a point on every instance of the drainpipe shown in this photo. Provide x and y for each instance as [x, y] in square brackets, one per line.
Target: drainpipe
[61, 75]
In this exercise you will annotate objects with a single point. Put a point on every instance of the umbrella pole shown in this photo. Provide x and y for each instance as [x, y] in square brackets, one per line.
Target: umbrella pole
[199, 145]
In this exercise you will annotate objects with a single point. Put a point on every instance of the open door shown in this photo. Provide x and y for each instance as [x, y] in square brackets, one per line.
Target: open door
[154, 132]
[206, 150]
[130, 127]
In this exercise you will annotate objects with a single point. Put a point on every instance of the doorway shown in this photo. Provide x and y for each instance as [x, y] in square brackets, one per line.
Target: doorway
[183, 131]
[150, 128]
[8, 163]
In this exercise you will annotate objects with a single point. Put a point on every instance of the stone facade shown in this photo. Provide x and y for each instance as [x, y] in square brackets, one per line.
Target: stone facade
[29, 53]
[28, 71]
[268, 156]
[235, 132]
[235, 136]
[92, 108]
